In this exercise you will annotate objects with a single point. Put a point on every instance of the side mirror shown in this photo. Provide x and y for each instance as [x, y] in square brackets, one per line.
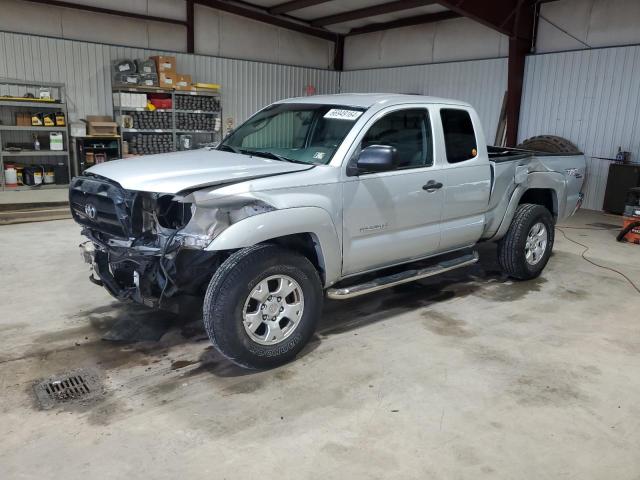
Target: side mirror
[377, 158]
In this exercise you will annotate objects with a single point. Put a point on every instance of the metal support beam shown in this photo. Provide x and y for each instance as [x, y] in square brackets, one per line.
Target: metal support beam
[295, 5]
[518, 50]
[382, 9]
[520, 44]
[190, 27]
[109, 11]
[338, 56]
[264, 16]
[405, 22]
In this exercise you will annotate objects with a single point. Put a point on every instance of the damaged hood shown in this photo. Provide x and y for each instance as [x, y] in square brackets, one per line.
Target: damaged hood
[178, 171]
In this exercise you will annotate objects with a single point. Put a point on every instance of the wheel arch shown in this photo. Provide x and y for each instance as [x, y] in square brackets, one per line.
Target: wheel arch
[547, 189]
[308, 230]
[546, 197]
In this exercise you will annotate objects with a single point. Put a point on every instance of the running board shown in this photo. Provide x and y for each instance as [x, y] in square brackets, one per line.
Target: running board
[402, 277]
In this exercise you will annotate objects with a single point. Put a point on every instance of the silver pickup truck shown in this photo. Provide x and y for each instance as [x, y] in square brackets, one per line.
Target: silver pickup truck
[338, 195]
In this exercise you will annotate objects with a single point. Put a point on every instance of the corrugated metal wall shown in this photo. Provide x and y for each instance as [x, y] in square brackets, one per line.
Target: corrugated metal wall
[590, 97]
[85, 70]
[479, 82]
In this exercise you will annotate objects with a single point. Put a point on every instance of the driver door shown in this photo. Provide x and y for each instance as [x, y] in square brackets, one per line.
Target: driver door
[392, 217]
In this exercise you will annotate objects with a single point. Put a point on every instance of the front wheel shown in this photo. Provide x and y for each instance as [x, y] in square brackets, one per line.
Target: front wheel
[525, 250]
[262, 306]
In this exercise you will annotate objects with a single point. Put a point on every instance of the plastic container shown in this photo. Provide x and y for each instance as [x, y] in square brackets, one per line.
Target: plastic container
[10, 176]
[55, 141]
[49, 176]
[32, 175]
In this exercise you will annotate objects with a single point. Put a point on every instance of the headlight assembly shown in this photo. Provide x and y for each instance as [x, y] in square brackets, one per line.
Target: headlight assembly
[209, 222]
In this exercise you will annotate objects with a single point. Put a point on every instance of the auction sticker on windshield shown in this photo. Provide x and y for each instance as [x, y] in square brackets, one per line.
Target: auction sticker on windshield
[340, 114]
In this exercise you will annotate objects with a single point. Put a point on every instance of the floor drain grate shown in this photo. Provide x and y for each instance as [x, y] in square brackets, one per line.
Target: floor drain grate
[76, 386]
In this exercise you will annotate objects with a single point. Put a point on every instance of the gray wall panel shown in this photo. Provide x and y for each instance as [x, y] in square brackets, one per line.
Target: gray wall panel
[85, 70]
[480, 82]
[590, 97]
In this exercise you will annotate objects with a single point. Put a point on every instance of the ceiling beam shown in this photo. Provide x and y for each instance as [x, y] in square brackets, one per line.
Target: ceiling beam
[494, 14]
[405, 22]
[109, 11]
[294, 5]
[262, 15]
[373, 11]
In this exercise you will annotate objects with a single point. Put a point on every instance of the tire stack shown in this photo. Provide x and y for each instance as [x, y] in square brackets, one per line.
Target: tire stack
[191, 122]
[194, 102]
[151, 120]
[149, 144]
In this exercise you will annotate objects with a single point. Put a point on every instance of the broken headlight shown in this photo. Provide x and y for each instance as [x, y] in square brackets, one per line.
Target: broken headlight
[209, 222]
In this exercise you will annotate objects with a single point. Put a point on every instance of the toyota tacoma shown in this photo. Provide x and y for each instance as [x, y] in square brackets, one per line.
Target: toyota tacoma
[336, 196]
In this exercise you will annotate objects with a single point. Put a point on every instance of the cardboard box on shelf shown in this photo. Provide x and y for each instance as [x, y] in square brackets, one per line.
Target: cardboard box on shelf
[167, 80]
[23, 119]
[101, 125]
[165, 64]
[184, 82]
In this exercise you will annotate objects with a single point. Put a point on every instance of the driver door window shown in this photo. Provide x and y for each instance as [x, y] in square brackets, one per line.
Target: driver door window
[409, 132]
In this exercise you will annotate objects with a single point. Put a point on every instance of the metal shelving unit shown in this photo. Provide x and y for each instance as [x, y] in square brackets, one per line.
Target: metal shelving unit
[107, 145]
[9, 132]
[174, 131]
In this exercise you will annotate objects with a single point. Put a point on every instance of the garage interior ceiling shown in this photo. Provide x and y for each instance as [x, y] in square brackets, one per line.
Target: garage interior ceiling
[335, 19]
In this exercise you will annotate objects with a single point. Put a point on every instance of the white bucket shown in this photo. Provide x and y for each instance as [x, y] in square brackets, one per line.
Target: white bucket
[10, 177]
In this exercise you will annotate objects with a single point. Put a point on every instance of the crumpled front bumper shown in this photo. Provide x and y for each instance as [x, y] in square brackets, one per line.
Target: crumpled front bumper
[131, 275]
[102, 276]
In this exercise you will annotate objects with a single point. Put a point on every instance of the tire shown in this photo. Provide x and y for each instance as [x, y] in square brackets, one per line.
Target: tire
[549, 144]
[228, 301]
[514, 247]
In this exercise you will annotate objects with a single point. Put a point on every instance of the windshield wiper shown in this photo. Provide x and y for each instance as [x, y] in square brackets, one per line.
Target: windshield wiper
[228, 148]
[272, 155]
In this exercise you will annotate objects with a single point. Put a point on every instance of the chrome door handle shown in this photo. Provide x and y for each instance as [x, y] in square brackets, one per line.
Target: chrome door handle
[431, 186]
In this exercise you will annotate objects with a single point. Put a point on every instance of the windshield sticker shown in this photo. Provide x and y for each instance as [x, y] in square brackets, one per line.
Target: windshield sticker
[318, 155]
[339, 114]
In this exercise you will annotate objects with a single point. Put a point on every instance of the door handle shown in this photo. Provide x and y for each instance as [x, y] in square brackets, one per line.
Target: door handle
[431, 186]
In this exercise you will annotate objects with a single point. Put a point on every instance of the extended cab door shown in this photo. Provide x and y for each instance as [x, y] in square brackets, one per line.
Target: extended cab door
[467, 184]
[394, 216]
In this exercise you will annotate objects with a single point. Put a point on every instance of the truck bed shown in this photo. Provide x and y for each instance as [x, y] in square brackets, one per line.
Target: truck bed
[506, 154]
[511, 167]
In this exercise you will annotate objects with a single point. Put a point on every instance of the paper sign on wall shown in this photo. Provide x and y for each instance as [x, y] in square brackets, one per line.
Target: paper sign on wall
[340, 114]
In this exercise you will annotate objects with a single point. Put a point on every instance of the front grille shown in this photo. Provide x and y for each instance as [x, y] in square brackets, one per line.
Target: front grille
[102, 205]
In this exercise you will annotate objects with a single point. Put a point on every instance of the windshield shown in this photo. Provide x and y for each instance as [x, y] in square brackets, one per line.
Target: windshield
[295, 132]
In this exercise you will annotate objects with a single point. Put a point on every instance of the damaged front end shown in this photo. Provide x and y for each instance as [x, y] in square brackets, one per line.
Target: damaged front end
[149, 247]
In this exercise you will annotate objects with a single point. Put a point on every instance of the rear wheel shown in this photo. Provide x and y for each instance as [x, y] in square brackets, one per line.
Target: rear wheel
[262, 306]
[525, 250]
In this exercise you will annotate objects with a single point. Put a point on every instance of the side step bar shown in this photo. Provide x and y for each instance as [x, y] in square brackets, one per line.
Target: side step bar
[401, 277]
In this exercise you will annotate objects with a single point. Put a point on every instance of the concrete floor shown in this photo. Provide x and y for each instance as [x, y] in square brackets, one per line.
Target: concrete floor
[465, 376]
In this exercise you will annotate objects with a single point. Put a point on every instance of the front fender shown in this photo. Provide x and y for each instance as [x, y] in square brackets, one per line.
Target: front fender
[290, 221]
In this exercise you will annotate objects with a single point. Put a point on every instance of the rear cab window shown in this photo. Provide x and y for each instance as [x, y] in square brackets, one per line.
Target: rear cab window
[459, 135]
